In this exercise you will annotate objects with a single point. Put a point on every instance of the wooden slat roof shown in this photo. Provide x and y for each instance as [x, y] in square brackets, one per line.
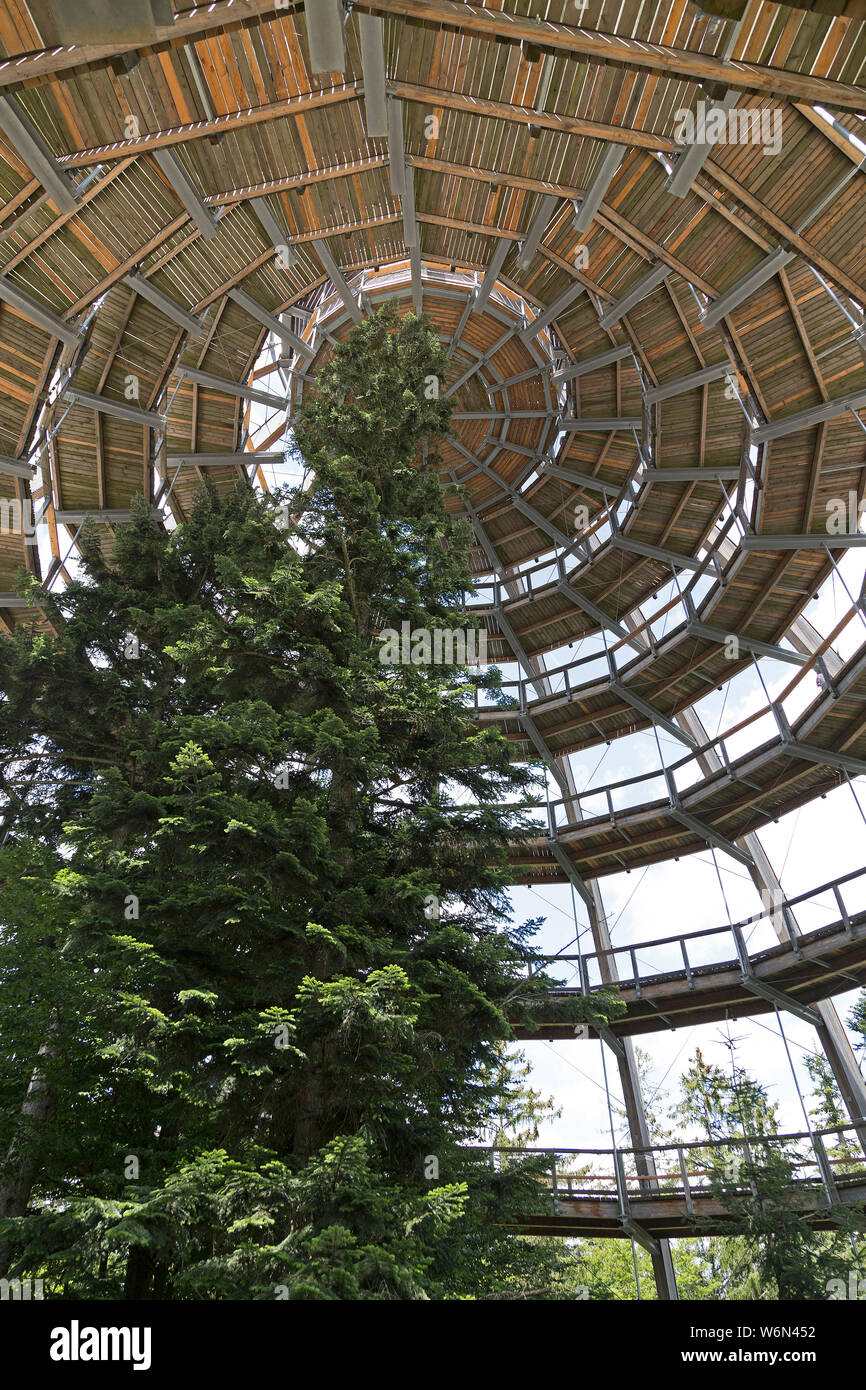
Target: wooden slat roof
[502, 105]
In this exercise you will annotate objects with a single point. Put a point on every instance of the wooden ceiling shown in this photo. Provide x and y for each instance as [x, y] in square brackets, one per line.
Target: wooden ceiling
[504, 112]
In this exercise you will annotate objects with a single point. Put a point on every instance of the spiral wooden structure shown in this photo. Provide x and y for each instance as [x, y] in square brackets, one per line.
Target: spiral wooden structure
[657, 359]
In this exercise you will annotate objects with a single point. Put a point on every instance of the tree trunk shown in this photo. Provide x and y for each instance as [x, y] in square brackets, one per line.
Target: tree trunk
[24, 1158]
[310, 1106]
[139, 1275]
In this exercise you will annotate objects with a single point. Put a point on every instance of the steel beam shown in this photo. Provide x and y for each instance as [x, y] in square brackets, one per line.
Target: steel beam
[651, 713]
[34, 312]
[732, 298]
[654, 552]
[163, 12]
[592, 364]
[272, 229]
[541, 747]
[161, 301]
[230, 388]
[591, 609]
[187, 193]
[193, 460]
[638, 291]
[337, 280]
[559, 306]
[602, 425]
[751, 644]
[601, 179]
[16, 468]
[325, 35]
[825, 757]
[804, 419]
[542, 522]
[410, 225]
[461, 324]
[486, 544]
[372, 34]
[491, 275]
[396, 151]
[269, 320]
[485, 360]
[503, 415]
[417, 282]
[781, 1000]
[25, 138]
[102, 515]
[691, 475]
[536, 230]
[120, 409]
[571, 872]
[812, 540]
[692, 159]
[585, 480]
[520, 376]
[687, 383]
[530, 512]
[706, 832]
[636, 1231]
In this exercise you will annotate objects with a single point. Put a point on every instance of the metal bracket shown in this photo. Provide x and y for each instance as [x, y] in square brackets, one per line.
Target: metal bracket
[614, 1043]
[637, 1232]
[712, 837]
[781, 1000]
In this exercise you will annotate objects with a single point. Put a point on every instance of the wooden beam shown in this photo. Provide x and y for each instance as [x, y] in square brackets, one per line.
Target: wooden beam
[299, 181]
[222, 14]
[200, 130]
[431, 96]
[830, 132]
[527, 115]
[613, 48]
[614, 221]
[788, 234]
[16, 468]
[494, 24]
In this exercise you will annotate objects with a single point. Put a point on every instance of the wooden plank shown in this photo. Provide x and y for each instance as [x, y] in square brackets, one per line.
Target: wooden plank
[613, 48]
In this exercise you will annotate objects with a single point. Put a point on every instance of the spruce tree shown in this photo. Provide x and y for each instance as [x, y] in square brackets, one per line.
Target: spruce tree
[773, 1251]
[273, 869]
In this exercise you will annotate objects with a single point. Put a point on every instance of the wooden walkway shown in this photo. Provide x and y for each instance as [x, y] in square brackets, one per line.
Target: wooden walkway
[690, 1188]
[739, 980]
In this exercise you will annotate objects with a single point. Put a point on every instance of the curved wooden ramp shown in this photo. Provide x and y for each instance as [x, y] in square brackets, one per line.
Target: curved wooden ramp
[688, 1189]
[665, 1217]
[740, 982]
